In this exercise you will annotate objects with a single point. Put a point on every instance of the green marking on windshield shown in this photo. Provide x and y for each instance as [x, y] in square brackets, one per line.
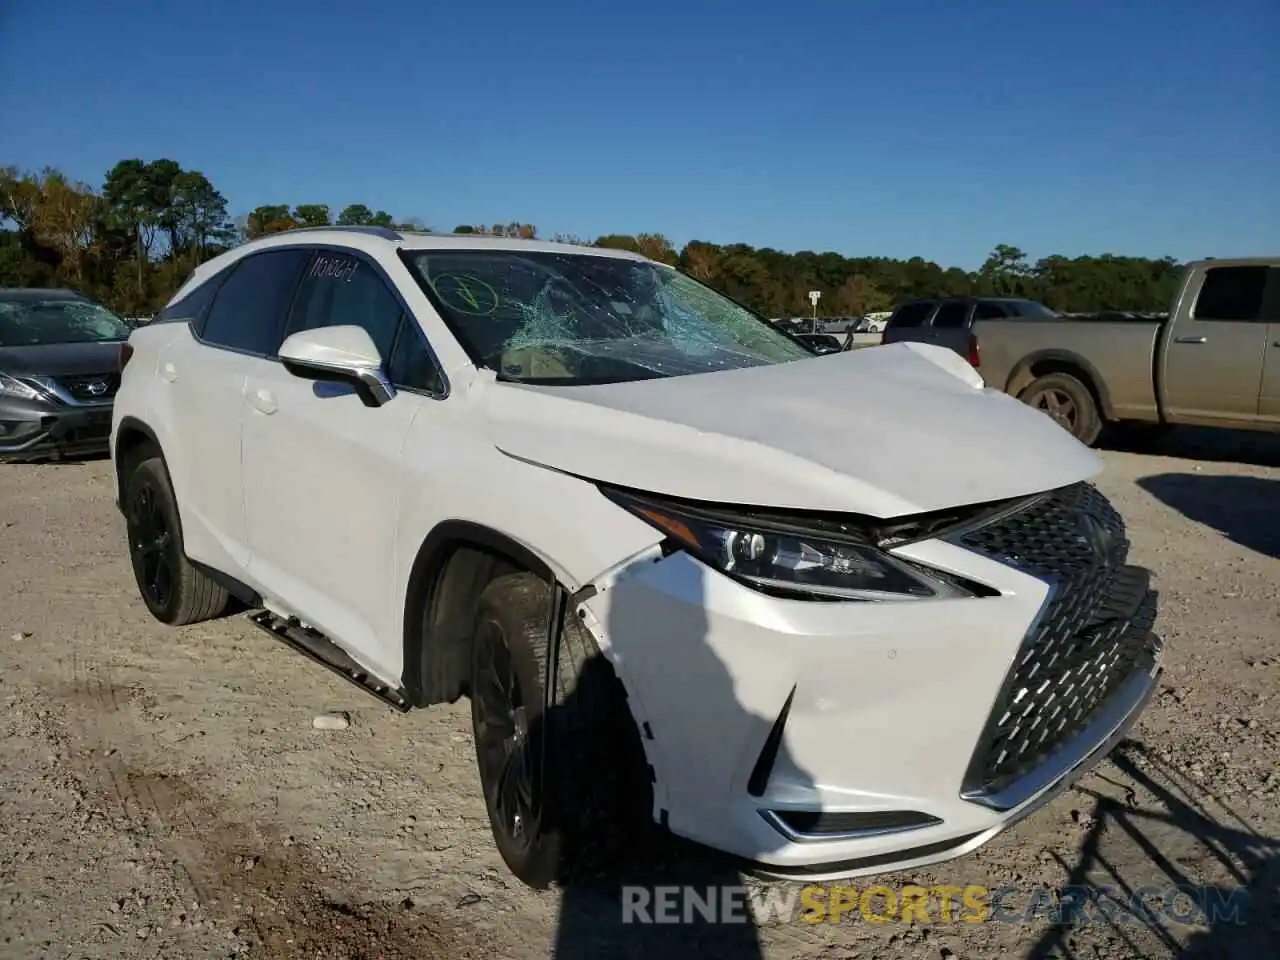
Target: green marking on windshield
[466, 294]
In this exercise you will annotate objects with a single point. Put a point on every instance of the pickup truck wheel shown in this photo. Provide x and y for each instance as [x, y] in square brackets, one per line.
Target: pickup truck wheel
[1068, 402]
[174, 591]
[578, 816]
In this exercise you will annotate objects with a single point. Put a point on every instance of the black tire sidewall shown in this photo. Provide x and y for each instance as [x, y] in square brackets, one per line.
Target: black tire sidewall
[538, 863]
[153, 473]
[1088, 423]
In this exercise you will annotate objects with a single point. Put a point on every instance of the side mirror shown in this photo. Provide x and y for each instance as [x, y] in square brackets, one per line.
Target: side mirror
[344, 354]
[821, 343]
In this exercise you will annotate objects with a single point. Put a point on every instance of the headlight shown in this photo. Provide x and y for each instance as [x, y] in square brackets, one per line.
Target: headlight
[13, 387]
[786, 556]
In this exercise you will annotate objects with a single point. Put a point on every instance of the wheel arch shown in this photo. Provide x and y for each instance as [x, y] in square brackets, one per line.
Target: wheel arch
[454, 564]
[131, 436]
[1044, 362]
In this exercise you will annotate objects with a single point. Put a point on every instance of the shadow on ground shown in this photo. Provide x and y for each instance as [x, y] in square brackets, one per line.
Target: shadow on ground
[1209, 444]
[1243, 509]
[1237, 919]
[56, 460]
[591, 920]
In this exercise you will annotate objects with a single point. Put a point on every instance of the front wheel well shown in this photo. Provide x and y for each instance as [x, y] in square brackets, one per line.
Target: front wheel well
[1042, 368]
[452, 569]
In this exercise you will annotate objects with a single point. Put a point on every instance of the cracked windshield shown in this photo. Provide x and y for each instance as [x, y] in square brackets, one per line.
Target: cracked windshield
[37, 322]
[567, 319]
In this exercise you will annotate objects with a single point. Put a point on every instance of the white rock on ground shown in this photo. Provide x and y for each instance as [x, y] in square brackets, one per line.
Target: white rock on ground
[331, 721]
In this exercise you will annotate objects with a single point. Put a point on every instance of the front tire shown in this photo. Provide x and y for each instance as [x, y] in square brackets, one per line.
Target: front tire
[174, 591]
[1068, 403]
[581, 814]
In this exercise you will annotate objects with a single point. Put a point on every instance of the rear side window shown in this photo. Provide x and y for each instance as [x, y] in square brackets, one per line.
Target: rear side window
[951, 316]
[192, 307]
[911, 314]
[986, 310]
[1231, 293]
[339, 289]
[252, 302]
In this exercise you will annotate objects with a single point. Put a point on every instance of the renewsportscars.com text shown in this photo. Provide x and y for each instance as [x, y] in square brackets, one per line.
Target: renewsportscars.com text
[1071, 905]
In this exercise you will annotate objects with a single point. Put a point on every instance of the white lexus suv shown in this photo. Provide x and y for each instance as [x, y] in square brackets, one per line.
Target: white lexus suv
[680, 576]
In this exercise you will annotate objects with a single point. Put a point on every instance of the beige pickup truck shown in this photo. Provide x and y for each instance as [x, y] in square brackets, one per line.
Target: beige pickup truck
[1214, 362]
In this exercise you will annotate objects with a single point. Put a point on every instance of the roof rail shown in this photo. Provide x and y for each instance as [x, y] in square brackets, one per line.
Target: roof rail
[386, 233]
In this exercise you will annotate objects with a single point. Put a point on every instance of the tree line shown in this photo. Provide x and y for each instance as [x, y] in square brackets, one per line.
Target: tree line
[132, 241]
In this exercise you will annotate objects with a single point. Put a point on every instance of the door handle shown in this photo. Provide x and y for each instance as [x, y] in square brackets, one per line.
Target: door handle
[264, 401]
[1191, 340]
[168, 373]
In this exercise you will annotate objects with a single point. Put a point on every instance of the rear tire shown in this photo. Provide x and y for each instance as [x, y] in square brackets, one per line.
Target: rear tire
[581, 815]
[1068, 403]
[174, 591]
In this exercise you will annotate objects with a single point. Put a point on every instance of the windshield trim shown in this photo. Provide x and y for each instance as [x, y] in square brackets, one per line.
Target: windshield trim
[406, 256]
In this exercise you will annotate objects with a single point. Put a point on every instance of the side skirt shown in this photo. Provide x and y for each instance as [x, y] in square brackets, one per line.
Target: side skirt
[315, 646]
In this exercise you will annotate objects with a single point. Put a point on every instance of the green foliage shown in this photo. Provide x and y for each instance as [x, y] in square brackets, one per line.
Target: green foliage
[132, 242]
[197, 215]
[313, 215]
[514, 229]
[355, 215]
[269, 218]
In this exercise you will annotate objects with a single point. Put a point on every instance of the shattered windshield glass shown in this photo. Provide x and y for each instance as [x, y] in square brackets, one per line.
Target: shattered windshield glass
[31, 322]
[559, 318]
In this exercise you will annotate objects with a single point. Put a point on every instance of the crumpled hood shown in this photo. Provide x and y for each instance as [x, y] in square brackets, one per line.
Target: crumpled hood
[887, 431]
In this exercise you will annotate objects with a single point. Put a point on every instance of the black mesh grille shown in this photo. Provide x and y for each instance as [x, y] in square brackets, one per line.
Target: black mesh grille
[1094, 632]
[91, 387]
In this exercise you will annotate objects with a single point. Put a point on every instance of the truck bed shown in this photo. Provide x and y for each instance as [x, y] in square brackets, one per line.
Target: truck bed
[1119, 355]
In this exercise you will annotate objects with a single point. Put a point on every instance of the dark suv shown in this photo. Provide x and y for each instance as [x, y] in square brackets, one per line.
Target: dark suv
[59, 371]
[948, 321]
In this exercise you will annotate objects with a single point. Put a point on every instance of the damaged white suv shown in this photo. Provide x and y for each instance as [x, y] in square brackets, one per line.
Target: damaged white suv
[680, 575]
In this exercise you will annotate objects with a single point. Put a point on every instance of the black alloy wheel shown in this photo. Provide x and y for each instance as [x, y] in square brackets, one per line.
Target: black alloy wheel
[506, 748]
[175, 591]
[566, 783]
[152, 546]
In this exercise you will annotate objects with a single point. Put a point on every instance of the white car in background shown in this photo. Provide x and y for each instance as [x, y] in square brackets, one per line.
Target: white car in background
[613, 509]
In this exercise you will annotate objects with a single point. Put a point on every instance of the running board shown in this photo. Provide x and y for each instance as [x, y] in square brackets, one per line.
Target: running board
[315, 646]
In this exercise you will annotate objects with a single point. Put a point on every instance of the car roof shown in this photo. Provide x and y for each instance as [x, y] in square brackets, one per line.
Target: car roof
[19, 294]
[379, 240]
[373, 237]
[1235, 262]
[375, 240]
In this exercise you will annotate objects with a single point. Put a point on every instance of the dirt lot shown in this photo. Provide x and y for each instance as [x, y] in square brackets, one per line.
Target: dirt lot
[163, 793]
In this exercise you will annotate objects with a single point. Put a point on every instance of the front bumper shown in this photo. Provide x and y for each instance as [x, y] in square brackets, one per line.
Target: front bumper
[760, 713]
[35, 430]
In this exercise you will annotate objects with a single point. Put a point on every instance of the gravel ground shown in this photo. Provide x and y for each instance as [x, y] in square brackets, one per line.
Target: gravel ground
[164, 794]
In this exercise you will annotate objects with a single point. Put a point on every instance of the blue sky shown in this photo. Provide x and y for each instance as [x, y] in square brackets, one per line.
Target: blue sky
[893, 128]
